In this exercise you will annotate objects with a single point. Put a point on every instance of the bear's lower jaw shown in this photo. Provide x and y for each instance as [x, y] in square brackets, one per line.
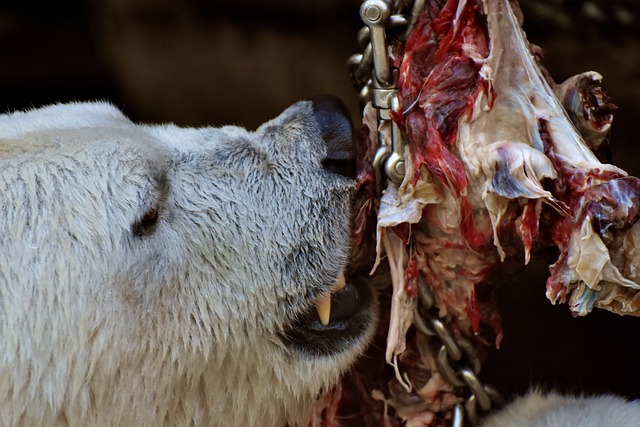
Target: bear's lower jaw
[353, 311]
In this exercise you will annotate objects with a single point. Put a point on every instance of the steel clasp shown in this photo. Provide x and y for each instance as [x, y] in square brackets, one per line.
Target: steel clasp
[389, 158]
[376, 14]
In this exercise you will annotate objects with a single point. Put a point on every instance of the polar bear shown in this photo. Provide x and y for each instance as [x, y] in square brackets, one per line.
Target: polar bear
[166, 276]
[550, 409]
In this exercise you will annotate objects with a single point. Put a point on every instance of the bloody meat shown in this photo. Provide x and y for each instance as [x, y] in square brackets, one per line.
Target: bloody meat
[501, 165]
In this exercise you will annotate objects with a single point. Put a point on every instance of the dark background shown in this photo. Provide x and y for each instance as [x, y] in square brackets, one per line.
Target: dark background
[198, 62]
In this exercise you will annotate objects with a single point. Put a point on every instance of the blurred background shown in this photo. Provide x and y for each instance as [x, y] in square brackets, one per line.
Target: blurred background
[208, 62]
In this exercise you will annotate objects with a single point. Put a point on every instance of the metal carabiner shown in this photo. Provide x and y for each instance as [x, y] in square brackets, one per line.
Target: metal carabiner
[375, 14]
[389, 158]
[394, 166]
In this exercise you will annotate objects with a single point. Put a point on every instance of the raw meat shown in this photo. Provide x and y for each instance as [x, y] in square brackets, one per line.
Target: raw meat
[497, 170]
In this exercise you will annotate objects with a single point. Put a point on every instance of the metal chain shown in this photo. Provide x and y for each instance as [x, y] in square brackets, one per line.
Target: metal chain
[372, 75]
[457, 360]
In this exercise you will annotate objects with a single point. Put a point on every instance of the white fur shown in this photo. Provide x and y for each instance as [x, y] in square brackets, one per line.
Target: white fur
[538, 409]
[180, 327]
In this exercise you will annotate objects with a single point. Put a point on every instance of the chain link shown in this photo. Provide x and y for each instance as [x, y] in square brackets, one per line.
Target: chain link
[457, 360]
[374, 78]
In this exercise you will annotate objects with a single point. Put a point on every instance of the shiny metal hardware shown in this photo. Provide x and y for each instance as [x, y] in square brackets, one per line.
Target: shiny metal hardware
[394, 166]
[390, 156]
[448, 342]
[372, 73]
[477, 389]
[375, 15]
[458, 416]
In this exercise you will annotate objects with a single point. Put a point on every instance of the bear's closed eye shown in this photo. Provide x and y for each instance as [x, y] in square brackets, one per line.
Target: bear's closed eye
[147, 224]
[157, 192]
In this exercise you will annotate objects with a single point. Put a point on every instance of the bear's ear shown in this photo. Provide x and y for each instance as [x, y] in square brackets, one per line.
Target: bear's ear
[337, 132]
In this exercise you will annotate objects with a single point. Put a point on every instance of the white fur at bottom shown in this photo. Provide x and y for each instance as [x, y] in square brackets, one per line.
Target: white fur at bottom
[538, 409]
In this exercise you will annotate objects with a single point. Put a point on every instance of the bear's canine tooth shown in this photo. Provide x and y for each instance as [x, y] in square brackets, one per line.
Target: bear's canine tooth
[323, 307]
[323, 303]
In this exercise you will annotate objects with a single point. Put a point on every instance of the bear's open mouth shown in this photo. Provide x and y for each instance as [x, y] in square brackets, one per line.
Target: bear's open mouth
[343, 301]
[342, 316]
[336, 320]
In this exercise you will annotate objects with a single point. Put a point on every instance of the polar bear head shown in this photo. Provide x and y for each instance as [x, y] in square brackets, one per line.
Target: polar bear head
[157, 275]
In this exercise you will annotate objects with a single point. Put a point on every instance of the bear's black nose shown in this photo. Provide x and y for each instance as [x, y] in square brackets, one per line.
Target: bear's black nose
[337, 132]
